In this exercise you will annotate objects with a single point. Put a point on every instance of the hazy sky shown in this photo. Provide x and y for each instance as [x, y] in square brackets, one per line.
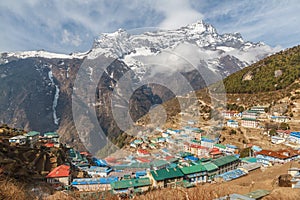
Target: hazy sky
[72, 25]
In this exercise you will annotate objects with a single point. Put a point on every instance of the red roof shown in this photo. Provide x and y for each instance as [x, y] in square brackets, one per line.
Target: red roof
[284, 131]
[215, 153]
[281, 154]
[197, 146]
[85, 153]
[49, 145]
[143, 151]
[60, 171]
[214, 149]
[169, 157]
[143, 160]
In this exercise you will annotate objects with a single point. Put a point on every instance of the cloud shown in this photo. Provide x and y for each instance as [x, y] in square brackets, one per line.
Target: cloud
[71, 25]
[178, 13]
[271, 21]
[68, 37]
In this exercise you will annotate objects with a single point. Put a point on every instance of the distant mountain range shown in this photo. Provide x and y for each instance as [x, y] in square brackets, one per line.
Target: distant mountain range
[37, 86]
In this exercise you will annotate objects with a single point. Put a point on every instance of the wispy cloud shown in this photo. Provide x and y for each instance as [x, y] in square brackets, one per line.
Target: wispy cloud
[67, 26]
[271, 21]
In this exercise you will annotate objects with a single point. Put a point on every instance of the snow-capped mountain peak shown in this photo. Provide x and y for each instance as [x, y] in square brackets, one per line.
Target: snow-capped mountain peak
[220, 51]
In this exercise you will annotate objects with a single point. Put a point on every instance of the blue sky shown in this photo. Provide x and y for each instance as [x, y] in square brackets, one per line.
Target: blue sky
[71, 25]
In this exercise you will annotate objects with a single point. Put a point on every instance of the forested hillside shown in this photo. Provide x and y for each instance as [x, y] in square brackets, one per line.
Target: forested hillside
[273, 73]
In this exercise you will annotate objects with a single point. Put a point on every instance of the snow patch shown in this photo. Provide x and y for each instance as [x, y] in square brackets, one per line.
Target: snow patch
[55, 100]
[45, 54]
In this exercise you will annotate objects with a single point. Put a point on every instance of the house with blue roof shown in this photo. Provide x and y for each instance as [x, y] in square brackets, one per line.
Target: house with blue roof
[294, 137]
[205, 142]
[232, 123]
[96, 171]
[93, 184]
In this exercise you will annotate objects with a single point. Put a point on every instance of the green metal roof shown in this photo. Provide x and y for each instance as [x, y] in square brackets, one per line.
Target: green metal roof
[193, 169]
[249, 159]
[209, 166]
[196, 141]
[224, 160]
[159, 163]
[32, 133]
[123, 184]
[184, 154]
[53, 134]
[167, 173]
[220, 146]
[139, 165]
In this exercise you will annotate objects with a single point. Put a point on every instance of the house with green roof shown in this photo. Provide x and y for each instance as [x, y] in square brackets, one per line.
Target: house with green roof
[226, 163]
[211, 170]
[131, 185]
[159, 164]
[32, 137]
[51, 137]
[195, 173]
[166, 177]
[221, 147]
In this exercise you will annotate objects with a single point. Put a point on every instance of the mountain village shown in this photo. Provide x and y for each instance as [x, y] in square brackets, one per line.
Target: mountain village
[174, 158]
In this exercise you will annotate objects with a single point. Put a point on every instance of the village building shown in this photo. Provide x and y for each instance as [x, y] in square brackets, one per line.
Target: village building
[269, 157]
[51, 137]
[221, 147]
[294, 137]
[211, 170]
[167, 177]
[158, 164]
[143, 152]
[59, 175]
[17, 140]
[228, 114]
[32, 137]
[293, 171]
[195, 173]
[215, 153]
[209, 143]
[226, 163]
[283, 133]
[197, 150]
[279, 119]
[249, 167]
[95, 171]
[250, 114]
[277, 140]
[230, 175]
[259, 109]
[93, 184]
[231, 149]
[232, 123]
[249, 122]
[138, 185]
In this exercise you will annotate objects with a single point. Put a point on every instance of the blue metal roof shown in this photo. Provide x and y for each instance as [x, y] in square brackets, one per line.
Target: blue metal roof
[192, 158]
[231, 146]
[206, 140]
[295, 134]
[91, 181]
[233, 174]
[99, 162]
